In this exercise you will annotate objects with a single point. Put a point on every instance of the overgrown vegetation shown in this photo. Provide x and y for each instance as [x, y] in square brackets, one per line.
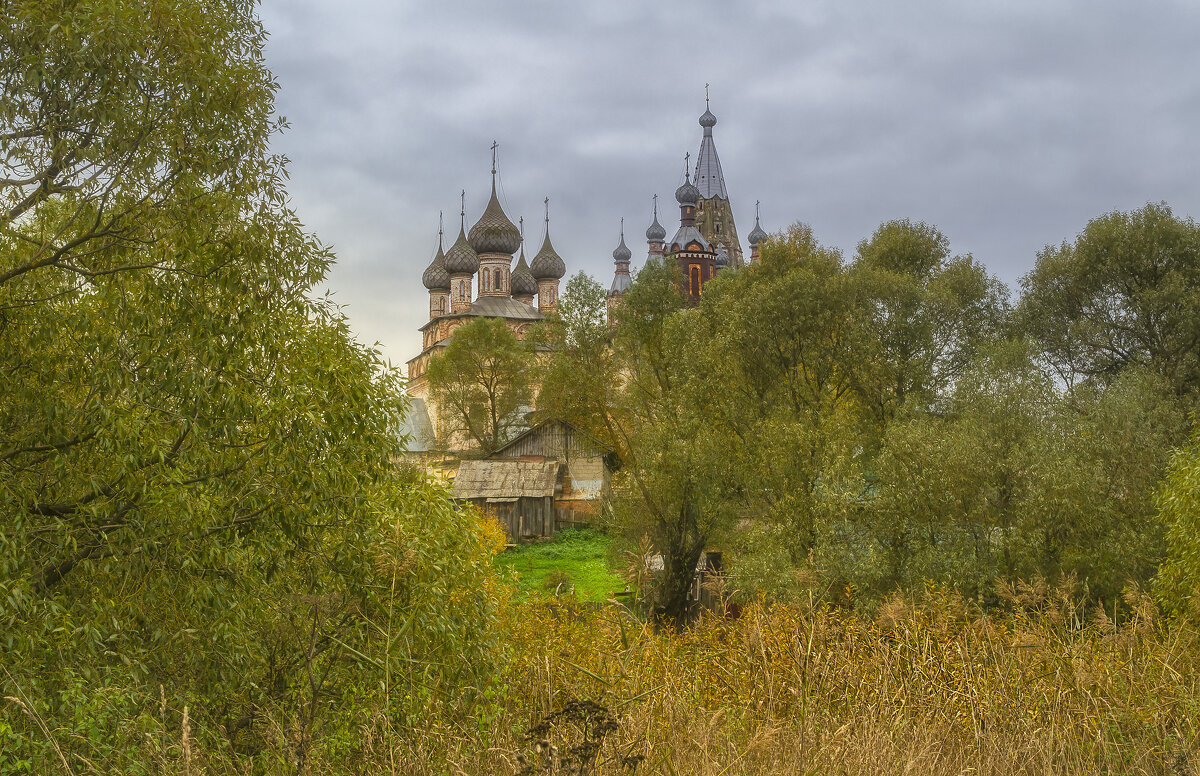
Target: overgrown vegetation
[942, 509]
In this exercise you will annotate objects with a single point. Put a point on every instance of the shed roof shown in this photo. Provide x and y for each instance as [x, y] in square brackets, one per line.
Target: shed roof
[505, 479]
[542, 439]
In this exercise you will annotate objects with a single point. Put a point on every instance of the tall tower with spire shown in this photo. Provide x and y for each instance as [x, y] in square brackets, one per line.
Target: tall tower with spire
[714, 216]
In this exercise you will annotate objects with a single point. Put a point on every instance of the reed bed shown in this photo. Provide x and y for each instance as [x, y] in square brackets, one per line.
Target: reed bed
[1042, 686]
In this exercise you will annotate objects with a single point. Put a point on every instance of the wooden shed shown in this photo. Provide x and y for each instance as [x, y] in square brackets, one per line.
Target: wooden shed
[520, 494]
[584, 476]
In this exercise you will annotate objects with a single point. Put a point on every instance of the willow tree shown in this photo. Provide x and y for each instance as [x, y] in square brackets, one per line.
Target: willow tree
[196, 479]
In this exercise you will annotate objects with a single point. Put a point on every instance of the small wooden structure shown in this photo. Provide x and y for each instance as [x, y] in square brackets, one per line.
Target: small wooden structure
[520, 494]
[584, 476]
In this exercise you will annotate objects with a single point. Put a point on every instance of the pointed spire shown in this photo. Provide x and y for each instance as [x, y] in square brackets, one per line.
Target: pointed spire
[709, 178]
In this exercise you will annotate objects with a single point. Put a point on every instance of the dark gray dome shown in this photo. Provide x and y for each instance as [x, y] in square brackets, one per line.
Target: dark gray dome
[622, 253]
[493, 232]
[757, 235]
[435, 277]
[708, 119]
[722, 258]
[656, 232]
[687, 194]
[547, 265]
[521, 281]
[461, 259]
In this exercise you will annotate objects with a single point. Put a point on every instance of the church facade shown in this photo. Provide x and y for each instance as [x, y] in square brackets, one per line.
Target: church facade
[476, 276]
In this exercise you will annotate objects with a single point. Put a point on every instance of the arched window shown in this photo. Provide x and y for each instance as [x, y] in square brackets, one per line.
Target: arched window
[694, 273]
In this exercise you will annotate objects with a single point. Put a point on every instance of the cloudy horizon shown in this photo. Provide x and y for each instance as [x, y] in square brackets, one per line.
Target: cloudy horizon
[1007, 125]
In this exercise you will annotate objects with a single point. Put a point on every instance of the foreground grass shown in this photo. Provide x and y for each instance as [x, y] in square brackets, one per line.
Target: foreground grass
[575, 558]
[1045, 687]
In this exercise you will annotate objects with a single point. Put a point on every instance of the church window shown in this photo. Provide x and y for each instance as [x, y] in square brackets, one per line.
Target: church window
[694, 274]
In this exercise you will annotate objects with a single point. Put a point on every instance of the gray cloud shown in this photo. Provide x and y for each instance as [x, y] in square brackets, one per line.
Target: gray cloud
[1007, 124]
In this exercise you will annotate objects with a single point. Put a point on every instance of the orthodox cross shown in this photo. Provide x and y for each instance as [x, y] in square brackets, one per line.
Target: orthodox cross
[522, 222]
[687, 166]
[622, 229]
[495, 145]
[547, 203]
[439, 229]
[462, 208]
[655, 207]
[706, 96]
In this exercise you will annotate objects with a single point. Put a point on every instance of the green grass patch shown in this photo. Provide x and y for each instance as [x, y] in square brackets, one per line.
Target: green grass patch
[575, 556]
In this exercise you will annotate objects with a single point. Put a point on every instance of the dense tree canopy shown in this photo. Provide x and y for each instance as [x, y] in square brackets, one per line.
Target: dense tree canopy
[198, 500]
[1125, 293]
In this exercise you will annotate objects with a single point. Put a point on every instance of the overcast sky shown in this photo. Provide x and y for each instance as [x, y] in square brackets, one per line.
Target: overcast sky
[1007, 124]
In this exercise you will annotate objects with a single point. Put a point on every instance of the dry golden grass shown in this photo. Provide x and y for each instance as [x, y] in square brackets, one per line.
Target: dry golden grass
[934, 688]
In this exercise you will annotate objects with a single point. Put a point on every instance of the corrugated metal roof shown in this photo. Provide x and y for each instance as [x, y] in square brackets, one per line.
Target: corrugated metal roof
[505, 479]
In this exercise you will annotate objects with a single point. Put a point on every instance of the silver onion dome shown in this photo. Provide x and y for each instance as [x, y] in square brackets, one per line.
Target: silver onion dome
[757, 235]
[687, 194]
[622, 252]
[493, 232]
[547, 264]
[435, 277]
[708, 120]
[521, 281]
[656, 232]
[722, 257]
[461, 259]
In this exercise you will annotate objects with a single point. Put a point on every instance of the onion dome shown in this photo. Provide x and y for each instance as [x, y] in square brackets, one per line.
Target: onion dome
[708, 120]
[687, 194]
[656, 232]
[521, 282]
[493, 232]
[435, 277]
[757, 235]
[622, 253]
[461, 259]
[547, 264]
[722, 257]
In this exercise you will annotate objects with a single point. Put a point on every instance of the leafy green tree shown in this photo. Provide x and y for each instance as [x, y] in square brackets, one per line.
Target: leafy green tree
[929, 313]
[581, 383]
[677, 463]
[1125, 293]
[483, 382]
[198, 502]
[1179, 502]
